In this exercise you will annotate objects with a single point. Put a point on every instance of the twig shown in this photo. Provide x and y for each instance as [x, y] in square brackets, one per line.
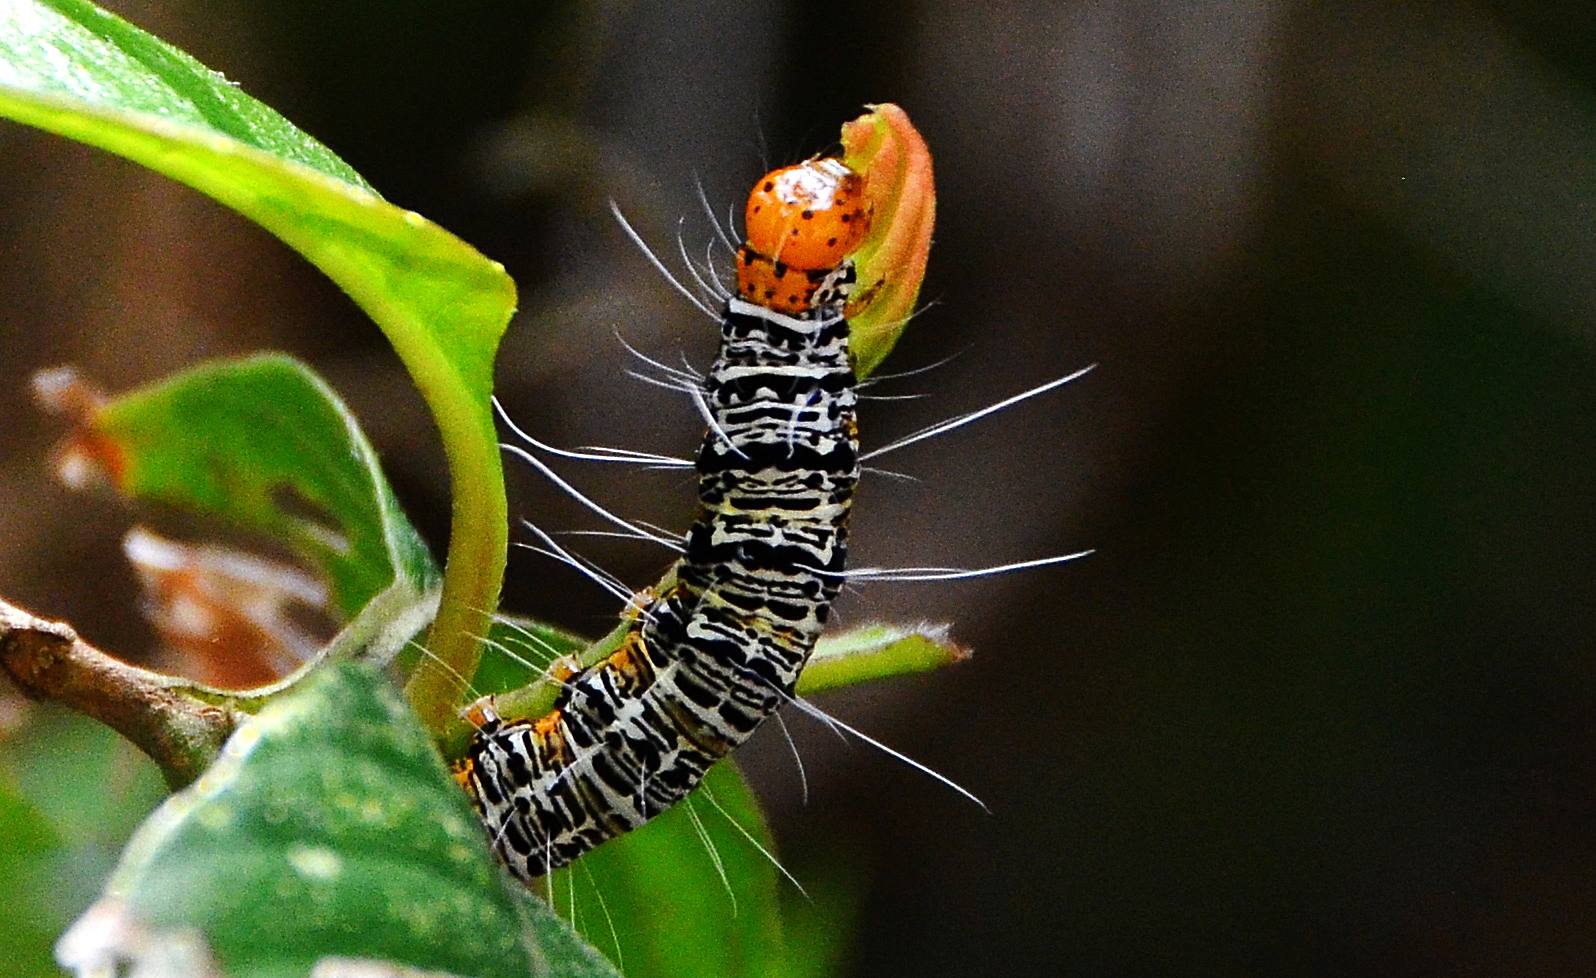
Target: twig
[163, 716]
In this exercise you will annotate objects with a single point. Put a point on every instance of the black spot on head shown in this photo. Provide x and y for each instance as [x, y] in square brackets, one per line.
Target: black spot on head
[806, 215]
[847, 218]
[831, 242]
[769, 186]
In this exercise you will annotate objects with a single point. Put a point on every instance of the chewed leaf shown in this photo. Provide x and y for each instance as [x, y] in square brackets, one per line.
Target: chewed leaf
[70, 68]
[329, 829]
[889, 152]
[268, 616]
[873, 652]
[265, 445]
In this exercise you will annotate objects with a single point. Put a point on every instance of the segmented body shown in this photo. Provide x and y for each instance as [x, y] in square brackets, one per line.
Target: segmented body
[712, 657]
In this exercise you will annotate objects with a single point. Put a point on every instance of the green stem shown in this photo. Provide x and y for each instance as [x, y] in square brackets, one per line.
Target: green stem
[474, 570]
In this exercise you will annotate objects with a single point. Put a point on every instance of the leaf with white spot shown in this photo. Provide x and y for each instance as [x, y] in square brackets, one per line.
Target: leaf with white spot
[328, 829]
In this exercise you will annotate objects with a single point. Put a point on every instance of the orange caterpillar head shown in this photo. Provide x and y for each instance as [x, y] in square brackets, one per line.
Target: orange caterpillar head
[803, 221]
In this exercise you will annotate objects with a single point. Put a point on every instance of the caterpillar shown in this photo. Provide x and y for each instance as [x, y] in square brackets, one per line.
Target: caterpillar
[718, 652]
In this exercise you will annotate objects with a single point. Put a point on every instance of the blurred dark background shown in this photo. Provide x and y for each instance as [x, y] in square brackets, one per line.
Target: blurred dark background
[1322, 702]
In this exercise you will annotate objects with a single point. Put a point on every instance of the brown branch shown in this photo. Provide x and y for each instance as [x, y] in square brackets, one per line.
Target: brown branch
[163, 716]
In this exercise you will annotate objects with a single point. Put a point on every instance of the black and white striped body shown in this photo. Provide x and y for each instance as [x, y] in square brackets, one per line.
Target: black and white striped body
[711, 658]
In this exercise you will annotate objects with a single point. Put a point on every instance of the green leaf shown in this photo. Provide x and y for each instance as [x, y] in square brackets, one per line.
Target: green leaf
[821, 930]
[329, 827]
[71, 791]
[70, 68]
[672, 912]
[30, 845]
[559, 950]
[872, 652]
[91, 786]
[520, 651]
[280, 455]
